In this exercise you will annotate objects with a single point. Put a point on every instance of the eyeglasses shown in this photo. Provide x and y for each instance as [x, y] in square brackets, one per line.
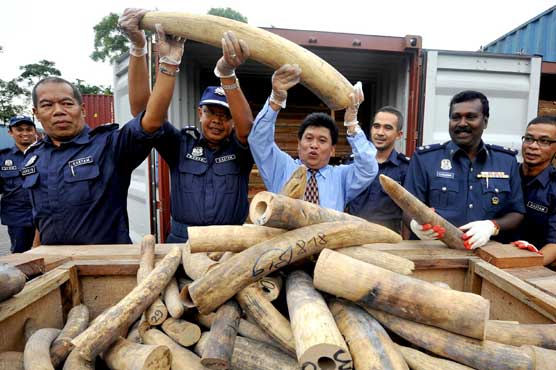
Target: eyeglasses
[212, 114]
[543, 142]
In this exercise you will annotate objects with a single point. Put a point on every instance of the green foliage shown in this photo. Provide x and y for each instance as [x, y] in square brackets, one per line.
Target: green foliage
[34, 72]
[109, 42]
[85, 88]
[10, 93]
[228, 13]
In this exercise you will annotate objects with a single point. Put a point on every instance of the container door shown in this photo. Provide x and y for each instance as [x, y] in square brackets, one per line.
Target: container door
[510, 82]
[138, 199]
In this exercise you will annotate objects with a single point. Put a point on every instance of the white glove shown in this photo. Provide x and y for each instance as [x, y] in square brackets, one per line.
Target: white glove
[427, 231]
[234, 53]
[283, 79]
[128, 23]
[477, 233]
[170, 48]
[356, 98]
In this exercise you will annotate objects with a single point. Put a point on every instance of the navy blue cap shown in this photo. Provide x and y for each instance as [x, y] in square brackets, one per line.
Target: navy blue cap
[16, 120]
[214, 95]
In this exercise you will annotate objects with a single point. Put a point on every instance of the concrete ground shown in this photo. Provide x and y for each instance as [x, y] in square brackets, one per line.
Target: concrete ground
[4, 241]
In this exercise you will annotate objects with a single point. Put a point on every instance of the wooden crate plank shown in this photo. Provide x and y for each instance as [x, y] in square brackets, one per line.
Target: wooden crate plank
[508, 256]
[46, 312]
[33, 291]
[504, 306]
[102, 292]
[538, 300]
[30, 265]
[103, 267]
[455, 278]
[98, 252]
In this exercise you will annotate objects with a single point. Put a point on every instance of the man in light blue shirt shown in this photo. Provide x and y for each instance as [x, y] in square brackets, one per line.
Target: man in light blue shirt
[317, 138]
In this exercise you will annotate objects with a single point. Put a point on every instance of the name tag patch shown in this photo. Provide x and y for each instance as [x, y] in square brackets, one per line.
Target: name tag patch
[226, 158]
[445, 175]
[194, 158]
[80, 161]
[28, 171]
[8, 168]
[537, 207]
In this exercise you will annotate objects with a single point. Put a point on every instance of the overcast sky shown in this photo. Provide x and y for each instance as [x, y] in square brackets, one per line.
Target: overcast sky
[62, 31]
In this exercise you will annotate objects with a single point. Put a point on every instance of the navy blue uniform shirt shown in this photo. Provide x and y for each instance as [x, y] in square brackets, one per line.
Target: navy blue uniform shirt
[15, 207]
[373, 204]
[539, 225]
[79, 190]
[442, 176]
[208, 187]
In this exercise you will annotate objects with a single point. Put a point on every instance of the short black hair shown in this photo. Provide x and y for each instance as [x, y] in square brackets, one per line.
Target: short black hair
[319, 120]
[392, 110]
[468, 95]
[57, 80]
[551, 120]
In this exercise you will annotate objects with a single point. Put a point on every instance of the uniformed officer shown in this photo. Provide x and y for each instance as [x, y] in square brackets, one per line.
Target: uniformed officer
[209, 169]
[15, 207]
[473, 185]
[539, 187]
[79, 178]
[374, 204]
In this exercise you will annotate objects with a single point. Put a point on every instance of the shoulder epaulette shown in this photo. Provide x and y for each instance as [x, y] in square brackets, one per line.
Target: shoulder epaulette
[429, 148]
[5, 150]
[503, 149]
[191, 131]
[402, 157]
[104, 128]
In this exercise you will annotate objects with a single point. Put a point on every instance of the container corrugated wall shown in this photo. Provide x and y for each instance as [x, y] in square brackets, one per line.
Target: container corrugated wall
[535, 37]
[99, 109]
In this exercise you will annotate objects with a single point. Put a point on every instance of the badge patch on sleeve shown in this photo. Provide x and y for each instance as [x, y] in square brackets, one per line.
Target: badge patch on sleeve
[29, 171]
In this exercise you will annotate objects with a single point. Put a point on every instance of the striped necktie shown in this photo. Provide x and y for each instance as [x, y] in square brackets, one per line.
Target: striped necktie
[312, 189]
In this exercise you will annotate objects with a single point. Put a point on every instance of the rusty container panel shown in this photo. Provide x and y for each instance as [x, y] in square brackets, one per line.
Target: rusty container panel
[99, 109]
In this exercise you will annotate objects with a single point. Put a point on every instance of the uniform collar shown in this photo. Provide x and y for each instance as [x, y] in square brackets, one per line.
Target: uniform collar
[223, 144]
[82, 138]
[393, 158]
[454, 149]
[14, 150]
[544, 177]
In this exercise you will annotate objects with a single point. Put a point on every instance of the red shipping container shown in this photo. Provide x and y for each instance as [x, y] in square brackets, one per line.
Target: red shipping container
[99, 109]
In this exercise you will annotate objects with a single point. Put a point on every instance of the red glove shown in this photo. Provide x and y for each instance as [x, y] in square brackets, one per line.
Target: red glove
[522, 244]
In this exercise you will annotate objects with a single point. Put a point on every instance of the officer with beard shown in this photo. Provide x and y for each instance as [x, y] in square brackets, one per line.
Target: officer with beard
[473, 185]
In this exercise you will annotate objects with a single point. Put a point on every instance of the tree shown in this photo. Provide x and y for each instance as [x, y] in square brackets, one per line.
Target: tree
[10, 93]
[34, 72]
[228, 13]
[109, 42]
[85, 88]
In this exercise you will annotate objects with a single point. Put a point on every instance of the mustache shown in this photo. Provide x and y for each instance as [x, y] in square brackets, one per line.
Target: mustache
[459, 130]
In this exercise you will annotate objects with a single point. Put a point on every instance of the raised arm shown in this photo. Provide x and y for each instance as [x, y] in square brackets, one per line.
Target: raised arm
[364, 169]
[234, 53]
[138, 77]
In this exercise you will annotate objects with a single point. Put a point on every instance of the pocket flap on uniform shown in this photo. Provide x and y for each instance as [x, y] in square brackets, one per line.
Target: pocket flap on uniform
[496, 185]
[193, 167]
[444, 185]
[230, 167]
[81, 173]
[9, 173]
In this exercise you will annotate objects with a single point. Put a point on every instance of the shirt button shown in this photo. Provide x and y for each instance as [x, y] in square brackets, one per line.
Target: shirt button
[496, 190]
[470, 187]
[471, 169]
[471, 205]
[443, 188]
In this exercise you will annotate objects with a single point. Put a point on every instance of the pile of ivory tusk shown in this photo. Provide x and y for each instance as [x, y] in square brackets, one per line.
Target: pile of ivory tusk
[341, 300]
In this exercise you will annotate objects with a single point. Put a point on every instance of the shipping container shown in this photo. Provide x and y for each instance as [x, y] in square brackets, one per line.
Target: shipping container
[394, 71]
[99, 109]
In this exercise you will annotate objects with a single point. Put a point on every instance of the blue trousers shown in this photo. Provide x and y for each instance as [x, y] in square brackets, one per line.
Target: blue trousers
[21, 238]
